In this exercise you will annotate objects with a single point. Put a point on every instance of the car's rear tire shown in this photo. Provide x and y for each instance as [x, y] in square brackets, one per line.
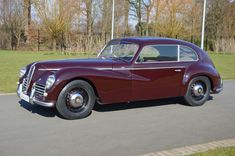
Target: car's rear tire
[198, 91]
[76, 100]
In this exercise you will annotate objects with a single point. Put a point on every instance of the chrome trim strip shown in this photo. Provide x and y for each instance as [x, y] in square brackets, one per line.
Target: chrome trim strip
[50, 69]
[30, 75]
[32, 95]
[101, 50]
[125, 68]
[142, 68]
[178, 53]
[103, 68]
[157, 62]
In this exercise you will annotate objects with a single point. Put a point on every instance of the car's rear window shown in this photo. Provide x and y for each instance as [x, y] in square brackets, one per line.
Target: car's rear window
[187, 54]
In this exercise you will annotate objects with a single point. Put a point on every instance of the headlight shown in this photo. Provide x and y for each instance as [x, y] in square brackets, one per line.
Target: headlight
[22, 72]
[50, 81]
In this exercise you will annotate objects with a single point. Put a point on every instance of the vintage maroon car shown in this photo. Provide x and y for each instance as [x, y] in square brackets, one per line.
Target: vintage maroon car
[127, 69]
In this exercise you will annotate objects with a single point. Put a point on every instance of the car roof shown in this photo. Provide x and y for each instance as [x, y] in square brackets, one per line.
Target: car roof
[152, 40]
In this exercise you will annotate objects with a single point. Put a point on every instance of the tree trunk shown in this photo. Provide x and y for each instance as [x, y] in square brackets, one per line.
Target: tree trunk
[139, 13]
[156, 16]
[53, 44]
[147, 21]
[17, 41]
[27, 17]
[126, 16]
[89, 17]
[105, 18]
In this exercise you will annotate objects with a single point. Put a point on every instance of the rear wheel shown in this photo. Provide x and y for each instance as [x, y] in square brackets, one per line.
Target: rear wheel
[76, 100]
[198, 91]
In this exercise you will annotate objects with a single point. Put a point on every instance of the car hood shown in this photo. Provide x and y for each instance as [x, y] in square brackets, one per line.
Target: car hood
[71, 63]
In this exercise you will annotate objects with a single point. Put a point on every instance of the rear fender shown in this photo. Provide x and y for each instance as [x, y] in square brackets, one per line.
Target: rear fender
[200, 70]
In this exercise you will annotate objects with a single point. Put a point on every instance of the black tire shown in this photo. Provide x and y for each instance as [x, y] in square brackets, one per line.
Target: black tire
[69, 111]
[191, 97]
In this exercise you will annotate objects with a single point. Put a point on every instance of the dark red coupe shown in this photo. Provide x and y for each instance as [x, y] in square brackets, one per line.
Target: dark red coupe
[127, 69]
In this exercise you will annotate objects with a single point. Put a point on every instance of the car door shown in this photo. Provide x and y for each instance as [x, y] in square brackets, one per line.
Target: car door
[157, 73]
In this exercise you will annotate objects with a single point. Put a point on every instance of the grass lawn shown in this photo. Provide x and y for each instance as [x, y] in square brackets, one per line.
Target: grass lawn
[225, 64]
[12, 61]
[226, 151]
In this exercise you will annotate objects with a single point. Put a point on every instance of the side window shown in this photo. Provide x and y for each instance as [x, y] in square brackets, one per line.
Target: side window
[187, 54]
[158, 53]
[148, 54]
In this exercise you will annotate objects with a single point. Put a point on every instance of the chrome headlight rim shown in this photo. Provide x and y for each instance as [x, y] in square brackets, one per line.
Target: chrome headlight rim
[50, 81]
[22, 72]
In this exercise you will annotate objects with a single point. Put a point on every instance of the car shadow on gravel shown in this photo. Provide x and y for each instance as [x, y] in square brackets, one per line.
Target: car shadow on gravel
[40, 110]
[51, 112]
[141, 104]
[138, 104]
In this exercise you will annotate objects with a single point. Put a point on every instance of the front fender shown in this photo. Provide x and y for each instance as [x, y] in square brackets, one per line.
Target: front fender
[64, 76]
[105, 82]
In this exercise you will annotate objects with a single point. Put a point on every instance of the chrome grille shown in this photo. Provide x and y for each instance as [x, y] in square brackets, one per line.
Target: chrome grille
[29, 77]
[39, 89]
[24, 84]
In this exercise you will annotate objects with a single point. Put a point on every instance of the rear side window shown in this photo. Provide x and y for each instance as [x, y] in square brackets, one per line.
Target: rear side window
[158, 53]
[187, 54]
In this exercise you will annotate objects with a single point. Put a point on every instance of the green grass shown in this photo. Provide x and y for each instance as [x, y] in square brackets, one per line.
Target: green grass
[225, 64]
[225, 151]
[12, 61]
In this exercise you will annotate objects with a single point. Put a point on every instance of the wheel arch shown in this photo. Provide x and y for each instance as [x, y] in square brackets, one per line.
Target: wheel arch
[88, 81]
[187, 81]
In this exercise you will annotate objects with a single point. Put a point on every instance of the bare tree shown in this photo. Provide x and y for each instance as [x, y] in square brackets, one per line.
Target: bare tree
[126, 16]
[89, 19]
[84, 25]
[55, 17]
[171, 16]
[136, 11]
[13, 21]
[148, 4]
[220, 25]
[27, 18]
[106, 18]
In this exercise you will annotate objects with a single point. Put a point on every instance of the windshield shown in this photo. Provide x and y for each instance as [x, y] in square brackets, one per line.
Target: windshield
[119, 50]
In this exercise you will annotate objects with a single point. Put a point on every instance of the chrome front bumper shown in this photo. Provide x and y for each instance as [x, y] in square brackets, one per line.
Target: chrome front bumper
[31, 99]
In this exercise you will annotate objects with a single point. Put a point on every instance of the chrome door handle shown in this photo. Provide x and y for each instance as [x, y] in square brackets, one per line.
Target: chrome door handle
[178, 70]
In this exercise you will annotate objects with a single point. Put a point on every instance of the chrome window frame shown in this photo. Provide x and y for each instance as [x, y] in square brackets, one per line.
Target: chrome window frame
[178, 54]
[192, 51]
[98, 56]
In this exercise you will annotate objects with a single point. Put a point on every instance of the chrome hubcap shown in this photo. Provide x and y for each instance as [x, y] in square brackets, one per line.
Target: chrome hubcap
[198, 90]
[76, 99]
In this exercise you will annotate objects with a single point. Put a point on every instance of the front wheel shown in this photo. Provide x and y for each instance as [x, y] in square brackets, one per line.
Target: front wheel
[198, 91]
[76, 100]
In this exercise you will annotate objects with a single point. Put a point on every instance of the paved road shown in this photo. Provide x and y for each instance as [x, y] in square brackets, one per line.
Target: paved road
[125, 129]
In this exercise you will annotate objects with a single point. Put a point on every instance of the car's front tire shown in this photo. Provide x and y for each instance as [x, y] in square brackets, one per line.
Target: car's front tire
[198, 91]
[76, 100]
